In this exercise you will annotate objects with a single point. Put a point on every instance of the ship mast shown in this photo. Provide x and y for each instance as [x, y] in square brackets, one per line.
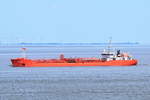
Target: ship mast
[23, 49]
[109, 45]
[23, 52]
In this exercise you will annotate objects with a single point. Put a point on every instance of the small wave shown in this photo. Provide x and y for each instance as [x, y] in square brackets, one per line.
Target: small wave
[143, 65]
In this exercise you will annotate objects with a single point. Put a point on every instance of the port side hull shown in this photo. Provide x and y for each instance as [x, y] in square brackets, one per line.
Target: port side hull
[105, 63]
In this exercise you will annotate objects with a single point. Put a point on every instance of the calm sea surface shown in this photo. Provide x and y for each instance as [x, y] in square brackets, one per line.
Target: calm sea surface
[74, 83]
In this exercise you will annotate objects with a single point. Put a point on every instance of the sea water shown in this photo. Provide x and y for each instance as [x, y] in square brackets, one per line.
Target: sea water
[73, 83]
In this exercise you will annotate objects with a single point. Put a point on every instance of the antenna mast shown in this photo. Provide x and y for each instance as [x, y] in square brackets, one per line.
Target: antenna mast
[109, 44]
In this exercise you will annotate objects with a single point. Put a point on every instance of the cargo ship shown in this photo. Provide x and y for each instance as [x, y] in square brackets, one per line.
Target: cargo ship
[108, 58]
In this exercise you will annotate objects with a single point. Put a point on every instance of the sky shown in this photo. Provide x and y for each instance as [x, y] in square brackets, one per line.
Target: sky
[74, 21]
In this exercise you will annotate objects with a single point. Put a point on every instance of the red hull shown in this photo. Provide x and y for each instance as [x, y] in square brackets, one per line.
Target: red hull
[22, 62]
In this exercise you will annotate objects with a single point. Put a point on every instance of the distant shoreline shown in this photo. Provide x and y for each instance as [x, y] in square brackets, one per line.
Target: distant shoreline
[67, 44]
